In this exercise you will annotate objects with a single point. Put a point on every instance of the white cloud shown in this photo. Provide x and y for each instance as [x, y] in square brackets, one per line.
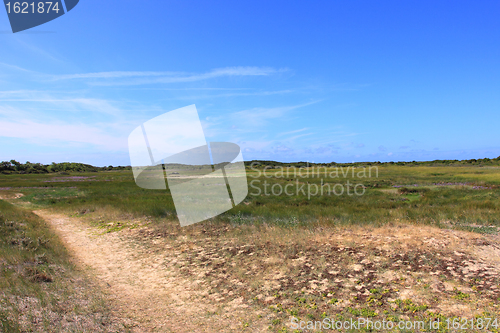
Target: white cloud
[299, 136]
[254, 145]
[59, 103]
[260, 116]
[293, 132]
[62, 133]
[15, 67]
[111, 75]
[146, 77]
[255, 93]
[38, 51]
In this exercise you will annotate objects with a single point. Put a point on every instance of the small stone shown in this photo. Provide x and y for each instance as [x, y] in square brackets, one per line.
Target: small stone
[268, 300]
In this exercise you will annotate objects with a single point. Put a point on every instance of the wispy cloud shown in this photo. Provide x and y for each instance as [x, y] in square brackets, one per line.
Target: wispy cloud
[61, 133]
[60, 103]
[38, 51]
[247, 121]
[112, 75]
[237, 94]
[9, 111]
[15, 67]
[260, 116]
[293, 132]
[145, 77]
[295, 137]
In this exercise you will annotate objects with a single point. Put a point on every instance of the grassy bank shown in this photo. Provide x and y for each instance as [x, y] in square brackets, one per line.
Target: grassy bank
[41, 290]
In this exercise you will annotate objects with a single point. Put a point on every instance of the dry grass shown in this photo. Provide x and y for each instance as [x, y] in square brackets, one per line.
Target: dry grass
[40, 289]
[397, 271]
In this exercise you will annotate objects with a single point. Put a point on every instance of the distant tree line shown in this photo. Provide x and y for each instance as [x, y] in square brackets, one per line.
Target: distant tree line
[14, 166]
[273, 164]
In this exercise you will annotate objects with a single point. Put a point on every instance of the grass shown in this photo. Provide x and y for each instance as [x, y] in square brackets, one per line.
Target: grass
[41, 290]
[466, 195]
[306, 239]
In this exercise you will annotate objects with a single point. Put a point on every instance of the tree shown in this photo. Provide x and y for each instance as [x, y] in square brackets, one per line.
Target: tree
[6, 166]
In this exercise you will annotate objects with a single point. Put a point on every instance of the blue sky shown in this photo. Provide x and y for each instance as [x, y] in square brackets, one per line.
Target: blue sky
[312, 81]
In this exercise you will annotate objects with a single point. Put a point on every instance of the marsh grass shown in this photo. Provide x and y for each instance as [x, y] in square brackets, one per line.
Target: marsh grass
[465, 195]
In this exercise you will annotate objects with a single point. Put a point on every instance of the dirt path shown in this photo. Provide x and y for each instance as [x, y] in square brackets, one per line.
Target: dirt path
[156, 283]
[148, 296]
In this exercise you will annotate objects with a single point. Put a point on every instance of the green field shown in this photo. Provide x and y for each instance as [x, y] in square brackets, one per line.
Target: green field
[466, 196]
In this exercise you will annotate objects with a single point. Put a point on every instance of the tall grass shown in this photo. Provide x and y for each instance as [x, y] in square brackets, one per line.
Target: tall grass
[431, 202]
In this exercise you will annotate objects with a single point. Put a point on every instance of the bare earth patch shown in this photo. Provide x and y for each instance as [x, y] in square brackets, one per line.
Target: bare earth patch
[148, 293]
[397, 272]
[219, 278]
[10, 195]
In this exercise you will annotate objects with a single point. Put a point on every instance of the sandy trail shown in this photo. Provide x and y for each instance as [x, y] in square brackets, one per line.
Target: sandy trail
[142, 291]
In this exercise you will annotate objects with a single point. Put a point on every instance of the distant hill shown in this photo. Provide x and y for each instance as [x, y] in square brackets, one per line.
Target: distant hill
[479, 162]
[14, 166]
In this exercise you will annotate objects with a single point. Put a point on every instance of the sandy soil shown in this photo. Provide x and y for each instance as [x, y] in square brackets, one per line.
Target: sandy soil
[148, 296]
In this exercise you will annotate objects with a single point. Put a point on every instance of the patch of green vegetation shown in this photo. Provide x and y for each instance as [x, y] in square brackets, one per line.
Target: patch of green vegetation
[367, 313]
[112, 226]
[460, 295]
[49, 195]
[412, 197]
[389, 195]
[490, 230]
[407, 305]
[276, 321]
[333, 301]
[364, 312]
